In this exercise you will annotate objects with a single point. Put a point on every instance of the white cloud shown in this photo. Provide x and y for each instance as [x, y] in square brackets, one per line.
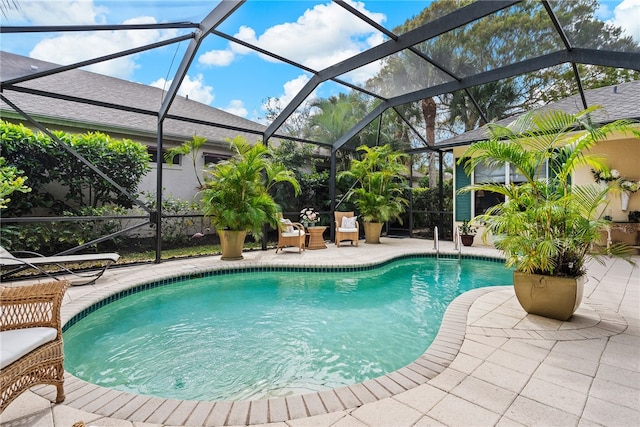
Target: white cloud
[626, 15]
[195, 89]
[60, 12]
[321, 37]
[75, 47]
[292, 87]
[218, 58]
[236, 107]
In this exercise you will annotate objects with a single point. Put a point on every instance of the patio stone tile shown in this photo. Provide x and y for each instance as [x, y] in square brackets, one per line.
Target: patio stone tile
[428, 422]
[447, 380]
[95, 402]
[28, 409]
[477, 349]
[130, 407]
[508, 422]
[314, 404]
[200, 413]
[525, 349]
[564, 378]
[555, 396]
[259, 412]
[387, 412]
[502, 377]
[316, 421]
[584, 349]
[575, 364]
[67, 416]
[111, 422]
[610, 414]
[421, 398]
[277, 410]
[239, 414]
[496, 320]
[162, 412]
[531, 413]
[616, 393]
[513, 361]
[618, 375]
[490, 342]
[362, 393]
[349, 421]
[484, 394]
[143, 412]
[376, 389]
[219, 414]
[118, 403]
[296, 407]
[465, 363]
[622, 355]
[455, 411]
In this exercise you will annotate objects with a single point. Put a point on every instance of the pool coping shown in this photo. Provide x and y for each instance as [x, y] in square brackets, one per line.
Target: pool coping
[116, 404]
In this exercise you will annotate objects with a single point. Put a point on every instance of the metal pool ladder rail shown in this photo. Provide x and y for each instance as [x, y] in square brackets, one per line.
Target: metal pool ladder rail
[457, 242]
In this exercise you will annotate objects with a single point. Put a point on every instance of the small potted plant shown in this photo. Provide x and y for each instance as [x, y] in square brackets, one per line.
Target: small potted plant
[309, 217]
[467, 232]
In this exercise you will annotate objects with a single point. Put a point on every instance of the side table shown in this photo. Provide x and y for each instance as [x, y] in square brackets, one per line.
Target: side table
[316, 241]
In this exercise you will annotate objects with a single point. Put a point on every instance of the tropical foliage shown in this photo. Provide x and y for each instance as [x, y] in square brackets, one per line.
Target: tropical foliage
[379, 194]
[546, 225]
[44, 161]
[236, 195]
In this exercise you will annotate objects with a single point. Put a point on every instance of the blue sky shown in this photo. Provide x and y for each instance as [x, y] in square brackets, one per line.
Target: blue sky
[314, 33]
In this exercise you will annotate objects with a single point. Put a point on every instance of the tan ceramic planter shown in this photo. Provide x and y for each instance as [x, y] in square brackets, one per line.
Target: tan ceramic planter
[232, 243]
[372, 232]
[548, 296]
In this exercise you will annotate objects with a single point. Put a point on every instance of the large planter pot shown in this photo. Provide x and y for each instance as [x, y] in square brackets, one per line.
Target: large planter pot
[372, 232]
[232, 243]
[548, 296]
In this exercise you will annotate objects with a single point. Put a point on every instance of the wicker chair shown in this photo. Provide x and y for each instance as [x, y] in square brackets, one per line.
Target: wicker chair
[31, 339]
[290, 234]
[344, 233]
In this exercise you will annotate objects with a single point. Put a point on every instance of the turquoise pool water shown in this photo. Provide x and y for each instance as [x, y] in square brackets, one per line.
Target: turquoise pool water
[270, 334]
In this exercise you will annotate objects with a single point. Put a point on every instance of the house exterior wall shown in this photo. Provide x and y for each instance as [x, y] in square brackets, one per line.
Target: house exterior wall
[621, 153]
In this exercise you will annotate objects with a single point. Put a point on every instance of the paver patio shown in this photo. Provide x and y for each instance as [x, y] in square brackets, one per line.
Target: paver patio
[491, 364]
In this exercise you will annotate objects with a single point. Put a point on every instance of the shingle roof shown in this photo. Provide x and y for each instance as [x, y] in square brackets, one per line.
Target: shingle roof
[621, 101]
[85, 84]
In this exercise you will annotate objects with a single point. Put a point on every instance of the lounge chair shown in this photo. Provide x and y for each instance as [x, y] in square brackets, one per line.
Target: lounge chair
[290, 234]
[13, 264]
[31, 350]
[346, 227]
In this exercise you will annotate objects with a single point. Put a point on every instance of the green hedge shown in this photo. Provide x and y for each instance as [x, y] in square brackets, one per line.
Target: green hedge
[44, 161]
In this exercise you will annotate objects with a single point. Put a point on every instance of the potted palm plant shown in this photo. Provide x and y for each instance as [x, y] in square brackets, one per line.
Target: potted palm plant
[547, 227]
[236, 195]
[380, 186]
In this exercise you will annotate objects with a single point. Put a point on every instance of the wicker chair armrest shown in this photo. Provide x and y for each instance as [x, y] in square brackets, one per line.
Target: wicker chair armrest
[32, 306]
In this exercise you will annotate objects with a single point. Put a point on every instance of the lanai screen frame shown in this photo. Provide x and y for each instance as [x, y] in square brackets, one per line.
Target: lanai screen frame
[208, 26]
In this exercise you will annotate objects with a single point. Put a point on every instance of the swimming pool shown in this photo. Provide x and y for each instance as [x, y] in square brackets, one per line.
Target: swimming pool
[267, 334]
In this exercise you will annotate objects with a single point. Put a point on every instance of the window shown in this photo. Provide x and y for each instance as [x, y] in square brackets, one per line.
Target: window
[213, 158]
[483, 200]
[153, 151]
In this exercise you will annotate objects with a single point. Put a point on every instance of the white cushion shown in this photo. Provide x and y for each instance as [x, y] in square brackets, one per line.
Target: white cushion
[18, 342]
[347, 230]
[288, 227]
[349, 222]
[293, 233]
